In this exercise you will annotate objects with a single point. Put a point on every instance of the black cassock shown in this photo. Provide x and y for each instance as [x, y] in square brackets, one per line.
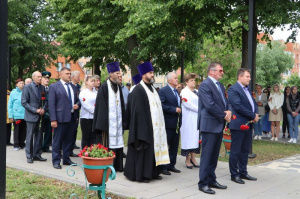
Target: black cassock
[100, 122]
[140, 162]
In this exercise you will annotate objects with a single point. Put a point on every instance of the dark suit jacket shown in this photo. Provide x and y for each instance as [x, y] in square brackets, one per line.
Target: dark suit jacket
[31, 101]
[169, 104]
[59, 107]
[211, 107]
[241, 106]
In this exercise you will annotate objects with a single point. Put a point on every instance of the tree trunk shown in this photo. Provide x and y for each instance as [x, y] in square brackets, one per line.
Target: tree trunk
[96, 67]
[132, 43]
[244, 48]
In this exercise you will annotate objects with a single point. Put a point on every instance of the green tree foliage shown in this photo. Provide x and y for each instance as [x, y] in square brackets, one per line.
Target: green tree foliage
[294, 80]
[32, 26]
[216, 50]
[271, 63]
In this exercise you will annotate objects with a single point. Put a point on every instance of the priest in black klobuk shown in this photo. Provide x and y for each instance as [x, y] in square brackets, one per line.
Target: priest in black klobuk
[109, 115]
[147, 141]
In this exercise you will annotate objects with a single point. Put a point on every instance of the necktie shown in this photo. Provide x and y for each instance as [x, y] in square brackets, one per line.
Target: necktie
[176, 95]
[69, 94]
[219, 88]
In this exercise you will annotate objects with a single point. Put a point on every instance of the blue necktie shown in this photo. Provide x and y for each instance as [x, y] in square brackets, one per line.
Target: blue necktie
[219, 88]
[176, 95]
[69, 94]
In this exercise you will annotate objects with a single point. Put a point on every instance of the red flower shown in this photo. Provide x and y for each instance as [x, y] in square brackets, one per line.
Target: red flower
[200, 141]
[43, 98]
[244, 127]
[184, 100]
[233, 117]
[18, 121]
[83, 99]
[226, 129]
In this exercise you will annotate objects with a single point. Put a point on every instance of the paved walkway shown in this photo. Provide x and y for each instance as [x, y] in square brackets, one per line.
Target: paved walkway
[277, 179]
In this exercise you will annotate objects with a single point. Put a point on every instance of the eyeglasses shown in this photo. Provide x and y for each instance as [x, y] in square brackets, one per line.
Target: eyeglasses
[220, 71]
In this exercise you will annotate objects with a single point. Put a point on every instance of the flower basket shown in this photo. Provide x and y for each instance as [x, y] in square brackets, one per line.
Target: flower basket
[227, 141]
[95, 176]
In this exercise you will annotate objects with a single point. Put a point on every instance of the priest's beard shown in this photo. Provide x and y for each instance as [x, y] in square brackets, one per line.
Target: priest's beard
[115, 80]
[150, 80]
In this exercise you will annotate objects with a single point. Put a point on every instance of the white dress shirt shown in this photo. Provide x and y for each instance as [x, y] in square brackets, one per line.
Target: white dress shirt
[71, 90]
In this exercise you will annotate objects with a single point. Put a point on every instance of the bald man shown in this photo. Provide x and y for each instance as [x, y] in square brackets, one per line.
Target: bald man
[34, 103]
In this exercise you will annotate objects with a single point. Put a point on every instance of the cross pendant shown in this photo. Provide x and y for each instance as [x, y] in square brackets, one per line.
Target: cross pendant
[117, 102]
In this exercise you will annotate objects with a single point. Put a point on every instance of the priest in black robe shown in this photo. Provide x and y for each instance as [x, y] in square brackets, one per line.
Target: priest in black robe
[145, 151]
[108, 127]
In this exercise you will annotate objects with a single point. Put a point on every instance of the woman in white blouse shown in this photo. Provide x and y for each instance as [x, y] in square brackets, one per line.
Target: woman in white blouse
[189, 132]
[87, 99]
[276, 116]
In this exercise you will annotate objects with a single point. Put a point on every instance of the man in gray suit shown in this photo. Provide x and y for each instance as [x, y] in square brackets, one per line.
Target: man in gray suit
[34, 101]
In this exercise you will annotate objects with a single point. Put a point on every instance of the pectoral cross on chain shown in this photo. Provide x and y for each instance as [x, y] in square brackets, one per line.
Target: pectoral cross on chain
[117, 102]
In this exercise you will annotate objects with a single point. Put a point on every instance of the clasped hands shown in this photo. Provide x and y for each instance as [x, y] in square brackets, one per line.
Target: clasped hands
[40, 111]
[227, 116]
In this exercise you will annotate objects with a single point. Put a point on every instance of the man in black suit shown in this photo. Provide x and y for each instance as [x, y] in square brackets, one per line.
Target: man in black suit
[213, 112]
[34, 106]
[170, 101]
[63, 109]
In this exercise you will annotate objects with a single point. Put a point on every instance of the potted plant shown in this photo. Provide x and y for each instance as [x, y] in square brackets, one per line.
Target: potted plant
[94, 157]
[227, 137]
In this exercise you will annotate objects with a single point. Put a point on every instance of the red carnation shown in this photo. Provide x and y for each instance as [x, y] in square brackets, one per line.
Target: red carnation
[226, 129]
[18, 121]
[233, 117]
[184, 99]
[200, 141]
[83, 99]
[43, 98]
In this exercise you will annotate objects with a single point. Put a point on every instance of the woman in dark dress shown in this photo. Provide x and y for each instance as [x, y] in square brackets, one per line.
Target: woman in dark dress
[285, 124]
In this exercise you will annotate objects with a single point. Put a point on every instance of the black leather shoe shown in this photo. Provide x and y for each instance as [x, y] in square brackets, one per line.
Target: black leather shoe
[68, 162]
[206, 189]
[218, 186]
[73, 155]
[124, 155]
[158, 178]
[39, 158]
[145, 180]
[197, 166]
[47, 151]
[166, 172]
[76, 147]
[56, 166]
[247, 177]
[238, 180]
[283, 136]
[174, 170]
[29, 160]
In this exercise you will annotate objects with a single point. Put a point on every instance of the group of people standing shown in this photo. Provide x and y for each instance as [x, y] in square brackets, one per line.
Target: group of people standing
[275, 107]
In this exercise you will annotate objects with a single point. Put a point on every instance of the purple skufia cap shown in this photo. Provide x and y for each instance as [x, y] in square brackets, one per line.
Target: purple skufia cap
[145, 68]
[113, 67]
[136, 79]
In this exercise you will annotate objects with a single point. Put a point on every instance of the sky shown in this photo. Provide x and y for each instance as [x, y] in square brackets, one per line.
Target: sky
[279, 34]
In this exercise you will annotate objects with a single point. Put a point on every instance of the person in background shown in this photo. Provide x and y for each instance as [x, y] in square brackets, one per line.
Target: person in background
[8, 122]
[125, 90]
[179, 88]
[75, 80]
[261, 101]
[136, 79]
[46, 124]
[128, 85]
[266, 127]
[275, 116]
[269, 88]
[97, 82]
[293, 108]
[285, 123]
[28, 81]
[87, 99]
[189, 132]
[16, 114]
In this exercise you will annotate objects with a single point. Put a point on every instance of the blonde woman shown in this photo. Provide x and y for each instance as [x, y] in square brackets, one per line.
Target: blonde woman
[276, 116]
[87, 99]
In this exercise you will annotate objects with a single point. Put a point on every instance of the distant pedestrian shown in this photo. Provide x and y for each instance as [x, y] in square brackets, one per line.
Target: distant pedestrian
[261, 101]
[293, 108]
[285, 123]
[28, 81]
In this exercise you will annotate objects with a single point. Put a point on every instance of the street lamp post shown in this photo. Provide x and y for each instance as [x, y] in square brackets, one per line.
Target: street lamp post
[3, 94]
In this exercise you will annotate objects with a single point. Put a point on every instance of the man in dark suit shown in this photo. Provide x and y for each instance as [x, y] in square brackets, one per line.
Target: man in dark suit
[245, 109]
[63, 110]
[34, 108]
[170, 102]
[214, 111]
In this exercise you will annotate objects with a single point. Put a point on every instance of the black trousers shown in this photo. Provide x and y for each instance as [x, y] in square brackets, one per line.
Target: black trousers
[285, 123]
[173, 142]
[8, 132]
[88, 137]
[19, 133]
[46, 127]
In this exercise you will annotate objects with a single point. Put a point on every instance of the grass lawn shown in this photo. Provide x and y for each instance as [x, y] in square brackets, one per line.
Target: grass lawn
[21, 184]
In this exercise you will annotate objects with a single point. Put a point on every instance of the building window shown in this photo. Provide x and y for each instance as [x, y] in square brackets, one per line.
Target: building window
[68, 65]
[59, 66]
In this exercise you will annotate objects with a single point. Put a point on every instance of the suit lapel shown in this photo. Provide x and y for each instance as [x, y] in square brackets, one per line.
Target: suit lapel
[62, 88]
[34, 90]
[171, 93]
[244, 94]
[216, 90]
